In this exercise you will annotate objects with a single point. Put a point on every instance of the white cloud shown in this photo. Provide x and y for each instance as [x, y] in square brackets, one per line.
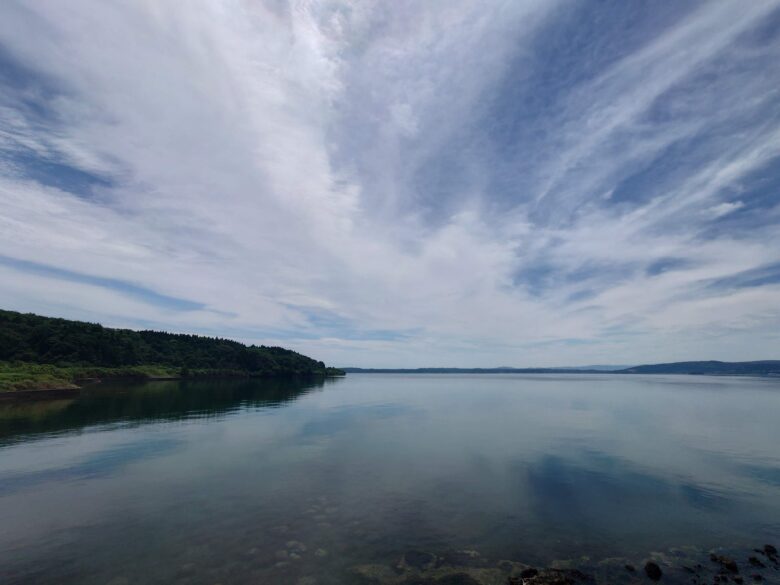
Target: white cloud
[725, 208]
[269, 160]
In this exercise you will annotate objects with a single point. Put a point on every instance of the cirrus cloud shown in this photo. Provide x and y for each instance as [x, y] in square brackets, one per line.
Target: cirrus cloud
[404, 184]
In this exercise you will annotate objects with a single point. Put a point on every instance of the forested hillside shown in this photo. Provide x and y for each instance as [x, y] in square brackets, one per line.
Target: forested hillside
[44, 340]
[757, 368]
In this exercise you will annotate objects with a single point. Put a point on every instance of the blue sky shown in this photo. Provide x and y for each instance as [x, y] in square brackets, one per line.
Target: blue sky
[400, 183]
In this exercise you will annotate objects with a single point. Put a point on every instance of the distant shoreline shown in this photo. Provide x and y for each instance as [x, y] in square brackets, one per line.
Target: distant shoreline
[763, 368]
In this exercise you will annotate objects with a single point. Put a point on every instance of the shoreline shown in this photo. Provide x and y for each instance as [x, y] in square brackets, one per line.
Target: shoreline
[760, 565]
[32, 389]
[40, 393]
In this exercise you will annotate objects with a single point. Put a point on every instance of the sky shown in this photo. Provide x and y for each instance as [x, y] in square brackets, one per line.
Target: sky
[399, 184]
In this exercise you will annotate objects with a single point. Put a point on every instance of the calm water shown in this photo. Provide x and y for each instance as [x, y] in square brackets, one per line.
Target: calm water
[229, 482]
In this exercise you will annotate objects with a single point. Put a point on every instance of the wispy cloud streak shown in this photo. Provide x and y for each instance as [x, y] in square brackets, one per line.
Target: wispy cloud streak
[399, 184]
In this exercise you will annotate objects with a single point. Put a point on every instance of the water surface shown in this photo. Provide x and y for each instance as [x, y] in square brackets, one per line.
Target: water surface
[211, 482]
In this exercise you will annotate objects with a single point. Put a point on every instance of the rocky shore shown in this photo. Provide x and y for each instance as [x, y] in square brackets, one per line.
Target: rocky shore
[293, 555]
[303, 551]
[468, 567]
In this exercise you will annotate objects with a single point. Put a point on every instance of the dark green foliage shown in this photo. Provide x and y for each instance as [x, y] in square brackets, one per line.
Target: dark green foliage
[44, 340]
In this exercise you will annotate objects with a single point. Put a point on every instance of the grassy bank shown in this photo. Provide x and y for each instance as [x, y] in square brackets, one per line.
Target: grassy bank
[17, 376]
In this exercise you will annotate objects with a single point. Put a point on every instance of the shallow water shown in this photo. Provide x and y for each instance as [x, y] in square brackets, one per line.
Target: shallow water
[285, 482]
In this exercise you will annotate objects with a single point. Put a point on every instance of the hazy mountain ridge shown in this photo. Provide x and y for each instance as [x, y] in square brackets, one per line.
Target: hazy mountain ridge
[712, 367]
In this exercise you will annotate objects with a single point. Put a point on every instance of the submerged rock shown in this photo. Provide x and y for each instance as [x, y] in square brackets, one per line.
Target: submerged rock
[726, 562]
[376, 573]
[461, 558]
[442, 575]
[457, 579]
[296, 546]
[770, 550]
[756, 562]
[560, 577]
[566, 564]
[550, 577]
[468, 567]
[418, 560]
[528, 573]
[653, 571]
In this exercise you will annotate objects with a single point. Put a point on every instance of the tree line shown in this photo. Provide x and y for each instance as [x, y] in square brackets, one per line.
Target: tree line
[25, 337]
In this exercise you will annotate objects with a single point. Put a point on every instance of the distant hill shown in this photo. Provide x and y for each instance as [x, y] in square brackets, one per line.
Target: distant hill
[758, 368]
[34, 339]
[598, 367]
